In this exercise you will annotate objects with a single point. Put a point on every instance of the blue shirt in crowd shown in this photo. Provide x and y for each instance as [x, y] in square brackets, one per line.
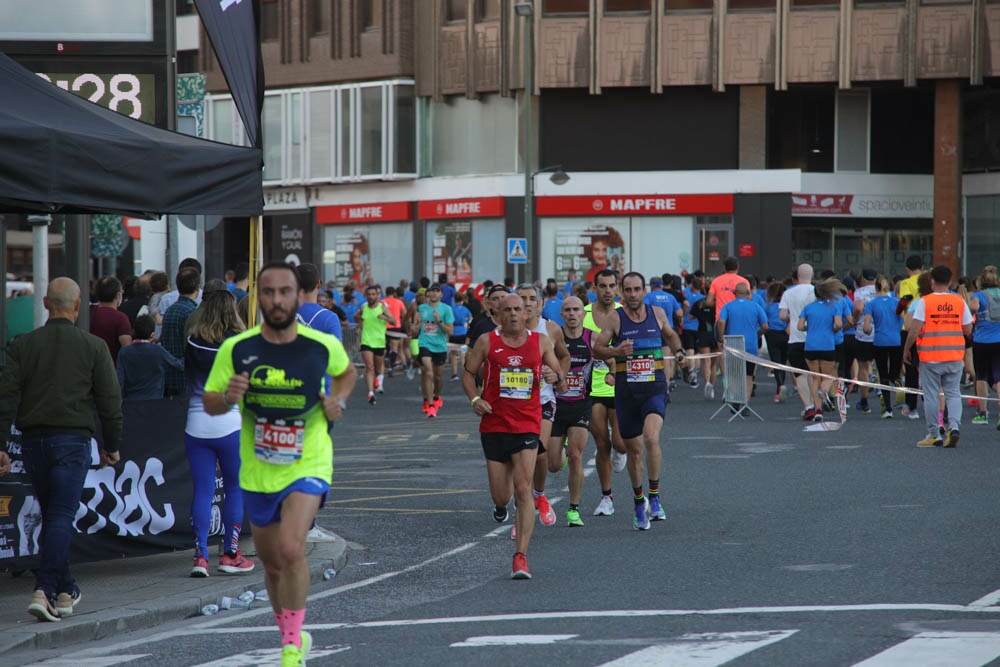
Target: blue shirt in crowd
[986, 331]
[744, 318]
[819, 325]
[885, 322]
[552, 310]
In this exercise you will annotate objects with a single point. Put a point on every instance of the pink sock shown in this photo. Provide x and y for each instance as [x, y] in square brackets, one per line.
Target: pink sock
[281, 624]
[291, 633]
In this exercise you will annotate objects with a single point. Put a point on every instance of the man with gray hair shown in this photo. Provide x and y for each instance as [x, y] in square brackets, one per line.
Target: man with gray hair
[795, 298]
[52, 377]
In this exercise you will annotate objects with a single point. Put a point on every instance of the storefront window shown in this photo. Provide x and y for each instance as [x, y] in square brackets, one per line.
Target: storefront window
[380, 253]
[982, 243]
[469, 251]
[812, 246]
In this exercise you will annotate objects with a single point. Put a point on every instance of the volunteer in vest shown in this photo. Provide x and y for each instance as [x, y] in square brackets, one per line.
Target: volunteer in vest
[374, 318]
[572, 423]
[531, 294]
[639, 337]
[275, 372]
[985, 303]
[610, 448]
[940, 322]
[510, 410]
[435, 321]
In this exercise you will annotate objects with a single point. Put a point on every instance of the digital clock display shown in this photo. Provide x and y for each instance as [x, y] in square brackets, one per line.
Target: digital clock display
[129, 94]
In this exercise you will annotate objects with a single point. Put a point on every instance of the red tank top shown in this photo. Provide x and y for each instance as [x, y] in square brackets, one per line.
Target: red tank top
[510, 386]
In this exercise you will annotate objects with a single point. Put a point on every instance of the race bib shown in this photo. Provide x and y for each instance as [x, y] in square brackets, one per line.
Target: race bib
[640, 369]
[430, 328]
[280, 442]
[574, 385]
[516, 382]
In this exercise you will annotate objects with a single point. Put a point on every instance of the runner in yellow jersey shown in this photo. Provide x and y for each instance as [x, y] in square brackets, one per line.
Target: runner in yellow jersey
[374, 318]
[610, 449]
[275, 372]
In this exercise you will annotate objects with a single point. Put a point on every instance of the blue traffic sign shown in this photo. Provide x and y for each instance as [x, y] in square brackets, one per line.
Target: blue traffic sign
[517, 251]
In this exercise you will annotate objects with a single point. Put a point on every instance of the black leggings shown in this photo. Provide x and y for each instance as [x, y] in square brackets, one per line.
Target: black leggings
[889, 361]
[777, 350]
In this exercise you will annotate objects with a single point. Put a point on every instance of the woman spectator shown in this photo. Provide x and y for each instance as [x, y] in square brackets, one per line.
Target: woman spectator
[821, 320]
[985, 305]
[882, 319]
[212, 441]
[776, 335]
[159, 284]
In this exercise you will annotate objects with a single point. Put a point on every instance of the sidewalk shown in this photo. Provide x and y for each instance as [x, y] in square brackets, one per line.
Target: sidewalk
[136, 593]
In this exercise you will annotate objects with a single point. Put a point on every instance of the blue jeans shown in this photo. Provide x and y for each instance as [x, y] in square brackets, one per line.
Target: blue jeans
[57, 465]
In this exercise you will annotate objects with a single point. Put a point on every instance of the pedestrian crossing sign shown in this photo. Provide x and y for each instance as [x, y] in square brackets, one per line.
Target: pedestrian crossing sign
[517, 251]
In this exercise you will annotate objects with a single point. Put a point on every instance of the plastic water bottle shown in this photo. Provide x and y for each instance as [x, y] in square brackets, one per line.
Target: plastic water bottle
[244, 601]
[210, 610]
[465, 349]
[262, 595]
[329, 573]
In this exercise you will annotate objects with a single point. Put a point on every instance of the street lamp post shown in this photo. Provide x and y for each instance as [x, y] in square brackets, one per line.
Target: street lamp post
[526, 10]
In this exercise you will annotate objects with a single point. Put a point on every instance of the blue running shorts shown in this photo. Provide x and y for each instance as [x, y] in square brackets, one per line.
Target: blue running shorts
[265, 508]
[633, 404]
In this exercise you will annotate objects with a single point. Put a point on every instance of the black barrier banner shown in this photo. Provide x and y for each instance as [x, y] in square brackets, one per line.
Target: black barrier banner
[139, 507]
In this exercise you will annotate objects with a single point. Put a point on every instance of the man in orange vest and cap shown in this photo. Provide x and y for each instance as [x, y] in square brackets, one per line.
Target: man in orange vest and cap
[939, 325]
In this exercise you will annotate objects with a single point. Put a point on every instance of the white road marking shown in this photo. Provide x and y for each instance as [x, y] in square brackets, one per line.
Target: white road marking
[511, 640]
[817, 567]
[721, 456]
[701, 650]
[940, 649]
[987, 600]
[77, 661]
[267, 657]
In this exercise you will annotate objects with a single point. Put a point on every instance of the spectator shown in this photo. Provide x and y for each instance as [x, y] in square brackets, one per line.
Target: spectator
[242, 281]
[106, 321]
[350, 303]
[142, 366]
[159, 285]
[463, 318]
[174, 323]
[230, 279]
[311, 313]
[170, 298]
[136, 297]
[447, 290]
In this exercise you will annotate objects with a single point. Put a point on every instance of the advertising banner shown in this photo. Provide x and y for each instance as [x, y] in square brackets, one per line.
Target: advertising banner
[587, 249]
[452, 251]
[353, 258]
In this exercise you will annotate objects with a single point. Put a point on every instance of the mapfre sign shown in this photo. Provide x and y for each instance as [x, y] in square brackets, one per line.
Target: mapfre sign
[635, 205]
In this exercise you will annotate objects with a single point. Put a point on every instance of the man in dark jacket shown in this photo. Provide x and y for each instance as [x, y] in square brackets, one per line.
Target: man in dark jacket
[52, 377]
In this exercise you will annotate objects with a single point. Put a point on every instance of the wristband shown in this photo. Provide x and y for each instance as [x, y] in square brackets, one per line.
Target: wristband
[225, 399]
[342, 403]
[475, 398]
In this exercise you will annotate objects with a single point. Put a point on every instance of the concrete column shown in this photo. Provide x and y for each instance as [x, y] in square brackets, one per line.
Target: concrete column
[753, 127]
[947, 173]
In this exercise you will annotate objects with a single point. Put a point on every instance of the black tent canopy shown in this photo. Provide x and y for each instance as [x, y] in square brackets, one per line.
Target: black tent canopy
[60, 153]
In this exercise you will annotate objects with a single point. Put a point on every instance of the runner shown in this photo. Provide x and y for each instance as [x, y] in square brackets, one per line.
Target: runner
[511, 411]
[531, 294]
[572, 422]
[275, 371]
[373, 318]
[397, 356]
[610, 448]
[640, 334]
[436, 322]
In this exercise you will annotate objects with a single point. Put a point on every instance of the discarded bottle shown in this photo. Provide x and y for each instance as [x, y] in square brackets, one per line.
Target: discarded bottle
[210, 610]
[244, 601]
[262, 595]
[329, 573]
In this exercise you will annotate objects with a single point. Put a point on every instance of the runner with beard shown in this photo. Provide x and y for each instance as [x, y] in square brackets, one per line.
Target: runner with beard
[640, 335]
[275, 373]
[374, 319]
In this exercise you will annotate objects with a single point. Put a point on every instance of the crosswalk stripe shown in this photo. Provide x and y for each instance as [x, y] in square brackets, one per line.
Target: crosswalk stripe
[706, 649]
[511, 640]
[940, 649]
[77, 661]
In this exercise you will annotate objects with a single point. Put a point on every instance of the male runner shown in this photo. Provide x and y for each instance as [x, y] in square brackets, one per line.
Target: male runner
[610, 449]
[641, 333]
[436, 321]
[276, 371]
[531, 294]
[511, 412]
[374, 318]
[573, 406]
[397, 354]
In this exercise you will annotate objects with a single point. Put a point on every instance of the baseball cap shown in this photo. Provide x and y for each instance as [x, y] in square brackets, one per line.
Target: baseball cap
[655, 282]
[868, 274]
[434, 286]
[414, 284]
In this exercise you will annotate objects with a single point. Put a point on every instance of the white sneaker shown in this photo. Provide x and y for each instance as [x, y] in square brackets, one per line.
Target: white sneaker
[710, 391]
[914, 414]
[618, 460]
[317, 534]
[606, 507]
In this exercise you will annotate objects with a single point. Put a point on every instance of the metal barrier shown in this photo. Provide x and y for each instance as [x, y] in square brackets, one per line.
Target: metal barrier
[734, 395]
[352, 344]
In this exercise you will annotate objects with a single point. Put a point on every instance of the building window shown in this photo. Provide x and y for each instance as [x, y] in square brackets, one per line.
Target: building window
[685, 5]
[371, 14]
[614, 6]
[801, 129]
[456, 10]
[566, 7]
[751, 4]
[319, 17]
[269, 19]
[487, 9]
[815, 3]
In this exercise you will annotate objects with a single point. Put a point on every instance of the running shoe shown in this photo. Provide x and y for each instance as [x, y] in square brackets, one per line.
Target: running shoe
[432, 411]
[981, 418]
[692, 378]
[66, 601]
[545, 512]
[641, 519]
[777, 397]
[519, 568]
[513, 532]
[200, 568]
[656, 512]
[454, 378]
[438, 403]
[371, 398]
[827, 401]
[809, 413]
[618, 460]
[886, 415]
[410, 372]
[817, 415]
[952, 440]
[293, 656]
[235, 564]
[709, 391]
[905, 410]
[317, 534]
[573, 518]
[606, 507]
[863, 407]
[930, 440]
[425, 407]
[41, 607]
[913, 414]
[500, 514]
[672, 386]
[378, 385]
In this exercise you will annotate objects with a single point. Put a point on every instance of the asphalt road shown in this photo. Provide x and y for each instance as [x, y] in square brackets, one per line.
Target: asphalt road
[781, 547]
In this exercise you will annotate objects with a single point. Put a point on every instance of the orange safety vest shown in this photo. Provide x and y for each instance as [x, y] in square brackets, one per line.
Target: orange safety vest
[942, 338]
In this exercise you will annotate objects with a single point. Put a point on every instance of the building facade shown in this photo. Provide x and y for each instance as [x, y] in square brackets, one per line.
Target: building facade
[846, 134]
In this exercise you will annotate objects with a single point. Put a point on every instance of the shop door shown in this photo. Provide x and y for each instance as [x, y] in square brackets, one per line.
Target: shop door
[857, 249]
[716, 243]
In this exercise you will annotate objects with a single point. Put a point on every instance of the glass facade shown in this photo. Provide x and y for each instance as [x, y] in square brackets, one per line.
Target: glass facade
[379, 252]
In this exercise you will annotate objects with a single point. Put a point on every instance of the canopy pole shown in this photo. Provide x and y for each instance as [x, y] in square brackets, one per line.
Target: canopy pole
[255, 264]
